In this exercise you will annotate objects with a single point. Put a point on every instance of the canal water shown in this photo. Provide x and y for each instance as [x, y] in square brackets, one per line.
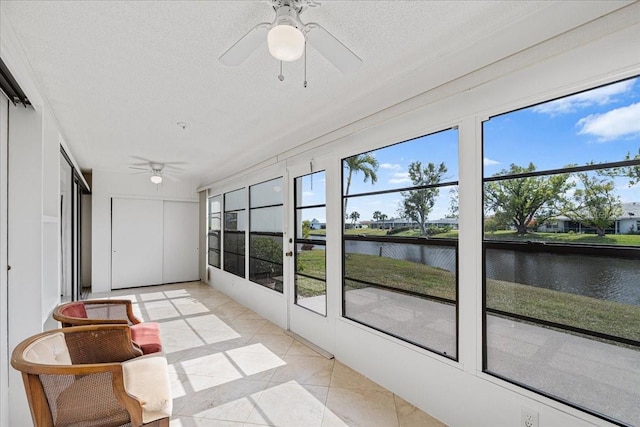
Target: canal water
[613, 279]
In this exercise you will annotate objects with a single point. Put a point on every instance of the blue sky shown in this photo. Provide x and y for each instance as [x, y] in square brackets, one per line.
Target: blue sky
[599, 125]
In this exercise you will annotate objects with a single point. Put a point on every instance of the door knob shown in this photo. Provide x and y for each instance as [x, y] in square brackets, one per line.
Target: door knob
[290, 253]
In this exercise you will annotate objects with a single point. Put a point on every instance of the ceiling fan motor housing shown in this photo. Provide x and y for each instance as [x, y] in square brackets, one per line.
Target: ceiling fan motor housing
[287, 15]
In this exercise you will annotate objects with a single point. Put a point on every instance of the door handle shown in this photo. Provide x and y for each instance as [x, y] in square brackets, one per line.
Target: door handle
[290, 253]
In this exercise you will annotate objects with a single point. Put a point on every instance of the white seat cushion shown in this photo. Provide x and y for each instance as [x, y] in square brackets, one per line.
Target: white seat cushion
[147, 378]
[48, 350]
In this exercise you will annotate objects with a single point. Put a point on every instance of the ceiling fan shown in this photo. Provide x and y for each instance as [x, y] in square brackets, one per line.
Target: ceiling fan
[286, 37]
[157, 170]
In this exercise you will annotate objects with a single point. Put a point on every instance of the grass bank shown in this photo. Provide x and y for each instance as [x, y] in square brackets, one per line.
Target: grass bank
[607, 317]
[609, 239]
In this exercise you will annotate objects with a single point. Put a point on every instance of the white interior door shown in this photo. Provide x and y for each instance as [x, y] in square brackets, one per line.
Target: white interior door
[136, 242]
[180, 242]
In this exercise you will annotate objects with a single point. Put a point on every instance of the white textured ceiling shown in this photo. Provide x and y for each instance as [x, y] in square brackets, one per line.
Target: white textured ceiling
[119, 75]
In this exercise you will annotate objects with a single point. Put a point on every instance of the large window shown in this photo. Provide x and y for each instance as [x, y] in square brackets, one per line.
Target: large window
[400, 240]
[213, 233]
[310, 243]
[562, 249]
[265, 235]
[234, 232]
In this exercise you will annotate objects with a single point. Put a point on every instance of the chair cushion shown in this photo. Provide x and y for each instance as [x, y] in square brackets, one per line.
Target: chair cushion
[48, 350]
[89, 401]
[147, 336]
[75, 309]
[147, 379]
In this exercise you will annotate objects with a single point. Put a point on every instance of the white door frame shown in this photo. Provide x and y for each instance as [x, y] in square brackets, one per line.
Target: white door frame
[4, 329]
[317, 328]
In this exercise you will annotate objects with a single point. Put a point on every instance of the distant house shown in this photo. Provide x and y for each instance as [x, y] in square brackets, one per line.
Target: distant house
[394, 223]
[628, 222]
[317, 225]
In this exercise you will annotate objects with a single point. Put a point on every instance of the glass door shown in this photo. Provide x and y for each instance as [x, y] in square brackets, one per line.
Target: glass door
[309, 316]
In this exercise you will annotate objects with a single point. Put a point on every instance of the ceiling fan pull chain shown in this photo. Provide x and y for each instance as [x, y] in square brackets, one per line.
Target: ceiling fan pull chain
[305, 63]
[281, 76]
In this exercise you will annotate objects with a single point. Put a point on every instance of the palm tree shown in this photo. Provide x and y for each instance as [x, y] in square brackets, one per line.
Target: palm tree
[365, 163]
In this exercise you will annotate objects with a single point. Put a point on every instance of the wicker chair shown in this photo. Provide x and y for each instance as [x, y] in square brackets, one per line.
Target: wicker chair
[110, 311]
[92, 376]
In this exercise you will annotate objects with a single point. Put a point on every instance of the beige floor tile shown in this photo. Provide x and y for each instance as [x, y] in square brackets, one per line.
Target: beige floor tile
[303, 408]
[271, 329]
[184, 421]
[230, 310]
[231, 401]
[360, 407]
[254, 365]
[305, 370]
[248, 314]
[345, 377]
[185, 384]
[188, 305]
[158, 310]
[245, 325]
[184, 339]
[278, 344]
[229, 367]
[410, 416]
[299, 349]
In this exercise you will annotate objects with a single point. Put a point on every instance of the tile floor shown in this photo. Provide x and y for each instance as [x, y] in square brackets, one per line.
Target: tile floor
[230, 367]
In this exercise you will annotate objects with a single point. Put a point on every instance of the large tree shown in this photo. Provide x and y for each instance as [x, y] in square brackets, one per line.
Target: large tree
[632, 172]
[594, 203]
[417, 204]
[521, 199]
[365, 163]
[454, 203]
[354, 216]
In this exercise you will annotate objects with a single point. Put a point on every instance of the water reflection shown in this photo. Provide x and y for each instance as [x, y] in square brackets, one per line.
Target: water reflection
[606, 278]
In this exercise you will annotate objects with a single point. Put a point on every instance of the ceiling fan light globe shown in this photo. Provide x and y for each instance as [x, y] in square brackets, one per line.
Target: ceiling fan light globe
[285, 42]
[156, 179]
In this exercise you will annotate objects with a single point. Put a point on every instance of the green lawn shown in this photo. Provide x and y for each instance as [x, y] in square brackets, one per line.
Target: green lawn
[609, 239]
[608, 317]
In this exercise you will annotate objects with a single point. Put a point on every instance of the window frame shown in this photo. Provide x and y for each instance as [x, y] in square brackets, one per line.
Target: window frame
[615, 251]
[225, 251]
[267, 234]
[210, 232]
[421, 241]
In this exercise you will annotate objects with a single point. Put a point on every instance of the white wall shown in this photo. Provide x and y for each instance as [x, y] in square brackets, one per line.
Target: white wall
[4, 343]
[31, 242]
[105, 185]
[457, 393]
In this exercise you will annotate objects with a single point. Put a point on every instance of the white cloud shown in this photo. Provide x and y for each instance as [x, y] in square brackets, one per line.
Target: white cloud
[624, 121]
[400, 178]
[600, 96]
[489, 162]
[393, 166]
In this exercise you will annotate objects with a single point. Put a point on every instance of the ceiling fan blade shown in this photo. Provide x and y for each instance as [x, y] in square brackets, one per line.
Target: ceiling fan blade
[244, 47]
[139, 168]
[332, 49]
[170, 177]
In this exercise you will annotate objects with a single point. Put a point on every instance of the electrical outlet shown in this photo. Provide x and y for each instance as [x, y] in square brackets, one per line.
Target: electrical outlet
[529, 418]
